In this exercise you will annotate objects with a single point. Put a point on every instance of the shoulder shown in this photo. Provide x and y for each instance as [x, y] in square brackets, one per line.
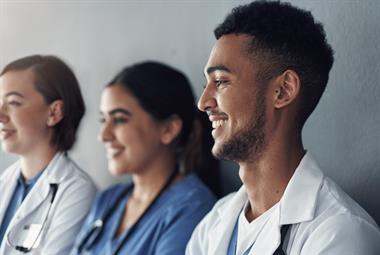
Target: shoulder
[187, 201]
[340, 225]
[70, 177]
[10, 171]
[200, 239]
[189, 191]
[213, 217]
[333, 201]
[74, 171]
[344, 233]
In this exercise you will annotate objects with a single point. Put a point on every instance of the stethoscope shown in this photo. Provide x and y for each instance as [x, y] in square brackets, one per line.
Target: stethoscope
[98, 226]
[53, 190]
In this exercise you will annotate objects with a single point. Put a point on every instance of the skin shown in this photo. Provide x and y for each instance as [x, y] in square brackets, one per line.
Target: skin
[234, 102]
[137, 145]
[27, 121]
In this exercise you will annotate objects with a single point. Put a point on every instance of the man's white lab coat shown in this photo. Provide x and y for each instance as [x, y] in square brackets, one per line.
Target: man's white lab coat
[324, 220]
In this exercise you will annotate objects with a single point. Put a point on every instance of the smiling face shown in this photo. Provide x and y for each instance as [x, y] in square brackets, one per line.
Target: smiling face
[23, 114]
[234, 100]
[131, 136]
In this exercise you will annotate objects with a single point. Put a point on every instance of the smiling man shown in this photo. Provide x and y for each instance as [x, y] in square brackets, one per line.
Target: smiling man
[265, 76]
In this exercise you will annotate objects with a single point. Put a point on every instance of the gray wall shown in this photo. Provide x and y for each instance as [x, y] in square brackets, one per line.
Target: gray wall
[98, 38]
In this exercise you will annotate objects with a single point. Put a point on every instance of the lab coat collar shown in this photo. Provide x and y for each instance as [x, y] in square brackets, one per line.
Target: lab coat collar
[55, 172]
[8, 182]
[296, 205]
[300, 197]
[221, 234]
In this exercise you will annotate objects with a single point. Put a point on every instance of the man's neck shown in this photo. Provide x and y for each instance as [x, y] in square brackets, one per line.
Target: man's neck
[266, 179]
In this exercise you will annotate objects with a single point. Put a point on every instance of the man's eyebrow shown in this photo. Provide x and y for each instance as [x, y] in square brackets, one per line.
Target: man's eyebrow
[212, 69]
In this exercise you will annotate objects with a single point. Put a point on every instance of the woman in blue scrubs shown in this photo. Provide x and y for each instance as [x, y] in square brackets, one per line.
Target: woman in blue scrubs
[149, 132]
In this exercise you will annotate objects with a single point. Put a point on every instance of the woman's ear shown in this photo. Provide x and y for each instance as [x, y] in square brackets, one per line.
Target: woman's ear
[287, 88]
[56, 113]
[170, 129]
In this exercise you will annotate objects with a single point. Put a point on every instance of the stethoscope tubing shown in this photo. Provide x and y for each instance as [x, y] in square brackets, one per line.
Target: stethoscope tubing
[20, 248]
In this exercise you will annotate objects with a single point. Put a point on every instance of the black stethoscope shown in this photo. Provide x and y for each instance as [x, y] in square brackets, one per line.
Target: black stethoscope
[98, 226]
[23, 249]
[281, 249]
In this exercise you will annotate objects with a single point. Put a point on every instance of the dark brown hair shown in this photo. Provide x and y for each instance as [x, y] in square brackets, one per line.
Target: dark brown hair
[163, 91]
[55, 81]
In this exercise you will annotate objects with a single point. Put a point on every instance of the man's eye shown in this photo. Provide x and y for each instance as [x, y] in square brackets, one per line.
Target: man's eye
[218, 83]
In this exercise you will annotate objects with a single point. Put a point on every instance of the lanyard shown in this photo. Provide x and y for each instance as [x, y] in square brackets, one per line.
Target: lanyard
[233, 242]
[94, 234]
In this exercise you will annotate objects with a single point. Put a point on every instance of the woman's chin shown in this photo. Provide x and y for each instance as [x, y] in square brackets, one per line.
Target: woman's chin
[117, 170]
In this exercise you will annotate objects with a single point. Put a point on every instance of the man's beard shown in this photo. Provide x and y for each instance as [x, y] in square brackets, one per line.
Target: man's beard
[250, 142]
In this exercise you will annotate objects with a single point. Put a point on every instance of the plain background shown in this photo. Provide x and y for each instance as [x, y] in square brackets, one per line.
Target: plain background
[98, 38]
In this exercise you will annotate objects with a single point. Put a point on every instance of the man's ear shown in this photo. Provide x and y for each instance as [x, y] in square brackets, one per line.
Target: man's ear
[288, 86]
[170, 129]
[56, 113]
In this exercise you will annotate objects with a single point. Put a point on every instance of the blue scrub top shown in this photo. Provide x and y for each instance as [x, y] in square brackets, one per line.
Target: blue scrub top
[21, 191]
[164, 230]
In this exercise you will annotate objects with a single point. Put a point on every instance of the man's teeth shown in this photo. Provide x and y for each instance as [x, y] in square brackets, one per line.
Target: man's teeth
[218, 123]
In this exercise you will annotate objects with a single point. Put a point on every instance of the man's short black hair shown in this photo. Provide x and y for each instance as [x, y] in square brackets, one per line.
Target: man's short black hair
[284, 37]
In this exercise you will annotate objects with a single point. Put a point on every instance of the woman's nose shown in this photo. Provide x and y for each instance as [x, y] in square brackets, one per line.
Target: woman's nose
[106, 133]
[4, 118]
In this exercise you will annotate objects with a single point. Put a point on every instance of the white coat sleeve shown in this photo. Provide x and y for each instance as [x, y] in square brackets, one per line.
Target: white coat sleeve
[73, 206]
[199, 241]
[343, 234]
[197, 244]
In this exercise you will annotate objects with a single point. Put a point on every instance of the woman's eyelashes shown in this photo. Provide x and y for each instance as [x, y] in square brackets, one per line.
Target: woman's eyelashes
[119, 120]
[14, 103]
[114, 119]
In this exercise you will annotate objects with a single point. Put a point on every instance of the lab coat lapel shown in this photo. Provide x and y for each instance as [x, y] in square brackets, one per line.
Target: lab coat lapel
[270, 238]
[297, 205]
[39, 193]
[31, 202]
[220, 235]
[8, 183]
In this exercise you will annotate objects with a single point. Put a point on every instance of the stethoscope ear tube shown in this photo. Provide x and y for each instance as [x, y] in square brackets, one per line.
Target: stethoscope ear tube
[53, 190]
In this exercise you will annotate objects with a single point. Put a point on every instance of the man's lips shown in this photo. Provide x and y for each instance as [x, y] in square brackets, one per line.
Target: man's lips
[217, 119]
